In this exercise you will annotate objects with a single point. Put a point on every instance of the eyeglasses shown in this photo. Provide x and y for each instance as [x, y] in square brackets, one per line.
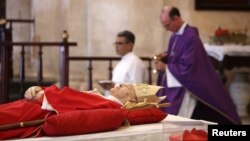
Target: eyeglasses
[119, 43]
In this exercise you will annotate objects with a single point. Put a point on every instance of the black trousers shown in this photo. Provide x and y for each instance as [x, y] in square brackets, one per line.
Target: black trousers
[204, 112]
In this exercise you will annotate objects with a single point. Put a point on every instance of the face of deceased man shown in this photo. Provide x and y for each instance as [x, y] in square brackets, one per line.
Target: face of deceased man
[124, 92]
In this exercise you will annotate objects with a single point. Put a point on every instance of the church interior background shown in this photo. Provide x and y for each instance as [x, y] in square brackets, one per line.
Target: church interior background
[93, 24]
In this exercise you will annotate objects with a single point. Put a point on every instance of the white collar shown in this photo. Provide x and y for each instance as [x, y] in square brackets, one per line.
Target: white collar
[112, 98]
[181, 30]
[127, 55]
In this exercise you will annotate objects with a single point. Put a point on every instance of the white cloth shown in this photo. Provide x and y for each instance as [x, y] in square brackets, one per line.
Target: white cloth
[46, 105]
[112, 98]
[187, 106]
[219, 51]
[172, 81]
[130, 69]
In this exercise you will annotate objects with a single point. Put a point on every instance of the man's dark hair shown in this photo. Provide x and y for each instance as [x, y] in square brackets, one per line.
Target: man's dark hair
[174, 12]
[130, 37]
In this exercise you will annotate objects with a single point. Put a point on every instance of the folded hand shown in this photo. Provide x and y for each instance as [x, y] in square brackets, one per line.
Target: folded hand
[34, 93]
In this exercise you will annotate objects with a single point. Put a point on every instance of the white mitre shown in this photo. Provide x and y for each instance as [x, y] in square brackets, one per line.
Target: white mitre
[147, 92]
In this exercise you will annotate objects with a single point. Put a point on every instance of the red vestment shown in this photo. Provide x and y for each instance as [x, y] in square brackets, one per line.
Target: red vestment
[62, 100]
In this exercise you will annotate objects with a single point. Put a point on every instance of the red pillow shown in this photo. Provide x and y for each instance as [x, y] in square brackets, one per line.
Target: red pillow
[143, 116]
[83, 121]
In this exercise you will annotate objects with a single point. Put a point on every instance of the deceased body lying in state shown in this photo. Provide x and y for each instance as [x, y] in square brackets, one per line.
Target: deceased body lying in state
[52, 111]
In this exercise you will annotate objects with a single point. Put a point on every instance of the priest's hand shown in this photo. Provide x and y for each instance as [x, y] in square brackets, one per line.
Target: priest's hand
[160, 66]
[34, 93]
[161, 57]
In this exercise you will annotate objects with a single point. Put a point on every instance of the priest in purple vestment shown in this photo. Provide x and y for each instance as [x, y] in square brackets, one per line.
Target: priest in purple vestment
[191, 83]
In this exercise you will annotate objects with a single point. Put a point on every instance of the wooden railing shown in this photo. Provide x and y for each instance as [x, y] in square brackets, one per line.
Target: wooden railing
[64, 64]
[20, 21]
[7, 26]
[92, 59]
[4, 46]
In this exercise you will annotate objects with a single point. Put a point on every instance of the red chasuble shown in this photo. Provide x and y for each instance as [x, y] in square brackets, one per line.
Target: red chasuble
[67, 99]
[62, 100]
[20, 111]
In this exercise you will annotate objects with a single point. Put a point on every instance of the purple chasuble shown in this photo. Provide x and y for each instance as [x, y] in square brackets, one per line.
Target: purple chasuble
[190, 65]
